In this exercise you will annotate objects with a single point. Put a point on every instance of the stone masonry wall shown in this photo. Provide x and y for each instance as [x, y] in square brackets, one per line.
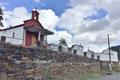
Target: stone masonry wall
[18, 63]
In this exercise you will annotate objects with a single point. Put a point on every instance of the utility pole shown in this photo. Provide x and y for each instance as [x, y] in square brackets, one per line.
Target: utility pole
[110, 65]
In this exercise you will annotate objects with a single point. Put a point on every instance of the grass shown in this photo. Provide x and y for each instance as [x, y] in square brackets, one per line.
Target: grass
[88, 76]
[72, 76]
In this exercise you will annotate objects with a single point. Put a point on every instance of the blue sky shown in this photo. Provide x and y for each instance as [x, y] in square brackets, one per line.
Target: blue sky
[58, 6]
[101, 13]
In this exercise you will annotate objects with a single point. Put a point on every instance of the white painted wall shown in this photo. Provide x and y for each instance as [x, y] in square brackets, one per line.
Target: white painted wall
[64, 49]
[18, 37]
[105, 55]
[80, 50]
[96, 55]
[89, 53]
[53, 47]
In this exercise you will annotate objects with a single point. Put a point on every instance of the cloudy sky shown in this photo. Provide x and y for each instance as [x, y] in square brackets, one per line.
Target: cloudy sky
[85, 22]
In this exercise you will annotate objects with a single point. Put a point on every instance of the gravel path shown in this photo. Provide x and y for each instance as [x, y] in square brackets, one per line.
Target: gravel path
[114, 76]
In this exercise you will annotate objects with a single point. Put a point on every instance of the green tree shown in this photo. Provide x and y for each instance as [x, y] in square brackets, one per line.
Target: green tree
[62, 42]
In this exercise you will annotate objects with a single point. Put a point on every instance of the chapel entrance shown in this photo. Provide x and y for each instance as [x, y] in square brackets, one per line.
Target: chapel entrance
[31, 38]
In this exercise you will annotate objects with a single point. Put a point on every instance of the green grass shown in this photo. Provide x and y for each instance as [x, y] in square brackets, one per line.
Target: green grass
[88, 76]
[72, 76]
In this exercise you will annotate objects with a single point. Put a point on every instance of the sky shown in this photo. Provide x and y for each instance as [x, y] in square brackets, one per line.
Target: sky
[85, 22]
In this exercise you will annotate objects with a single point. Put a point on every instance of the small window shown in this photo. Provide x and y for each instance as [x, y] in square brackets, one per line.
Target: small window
[3, 39]
[13, 35]
[35, 17]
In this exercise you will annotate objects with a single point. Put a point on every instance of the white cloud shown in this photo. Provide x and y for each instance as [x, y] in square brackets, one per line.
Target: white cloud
[112, 7]
[48, 19]
[73, 18]
[92, 33]
[16, 17]
[58, 35]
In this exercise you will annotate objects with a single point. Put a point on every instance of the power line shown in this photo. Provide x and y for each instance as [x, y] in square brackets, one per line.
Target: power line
[15, 16]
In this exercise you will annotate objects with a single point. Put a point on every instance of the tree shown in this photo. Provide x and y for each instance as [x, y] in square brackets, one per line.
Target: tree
[62, 42]
[1, 17]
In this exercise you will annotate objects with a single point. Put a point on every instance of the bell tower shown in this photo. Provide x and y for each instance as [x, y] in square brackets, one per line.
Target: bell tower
[35, 15]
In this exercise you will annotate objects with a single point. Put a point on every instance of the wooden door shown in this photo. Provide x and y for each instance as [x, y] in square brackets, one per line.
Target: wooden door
[34, 39]
[31, 39]
[28, 39]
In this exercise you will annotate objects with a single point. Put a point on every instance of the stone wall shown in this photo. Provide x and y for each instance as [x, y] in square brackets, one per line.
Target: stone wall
[18, 63]
[51, 71]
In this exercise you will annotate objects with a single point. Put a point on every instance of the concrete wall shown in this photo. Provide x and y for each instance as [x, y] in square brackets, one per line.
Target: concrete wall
[18, 35]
